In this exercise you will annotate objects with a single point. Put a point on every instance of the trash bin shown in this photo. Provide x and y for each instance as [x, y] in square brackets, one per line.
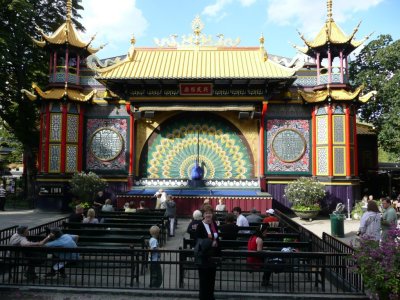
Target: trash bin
[337, 225]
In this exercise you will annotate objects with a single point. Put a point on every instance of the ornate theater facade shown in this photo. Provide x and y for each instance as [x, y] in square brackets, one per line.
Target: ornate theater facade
[249, 121]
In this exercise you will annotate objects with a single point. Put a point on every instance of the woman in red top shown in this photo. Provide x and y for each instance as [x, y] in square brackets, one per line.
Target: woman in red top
[255, 243]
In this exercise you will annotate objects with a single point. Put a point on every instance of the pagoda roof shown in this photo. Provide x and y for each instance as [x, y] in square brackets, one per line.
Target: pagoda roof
[66, 34]
[200, 63]
[336, 95]
[331, 34]
[59, 94]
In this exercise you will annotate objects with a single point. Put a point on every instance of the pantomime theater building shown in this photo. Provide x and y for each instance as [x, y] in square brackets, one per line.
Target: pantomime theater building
[199, 117]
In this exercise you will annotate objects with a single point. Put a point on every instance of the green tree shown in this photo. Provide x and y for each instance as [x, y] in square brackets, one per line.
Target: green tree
[377, 67]
[22, 63]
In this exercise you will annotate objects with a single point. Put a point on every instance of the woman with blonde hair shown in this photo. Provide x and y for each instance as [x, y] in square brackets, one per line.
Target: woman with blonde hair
[91, 217]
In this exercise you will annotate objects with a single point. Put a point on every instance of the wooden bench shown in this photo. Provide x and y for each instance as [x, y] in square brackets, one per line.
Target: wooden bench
[311, 264]
[242, 244]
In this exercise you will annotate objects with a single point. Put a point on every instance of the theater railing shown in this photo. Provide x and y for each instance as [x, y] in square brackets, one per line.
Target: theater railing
[124, 268]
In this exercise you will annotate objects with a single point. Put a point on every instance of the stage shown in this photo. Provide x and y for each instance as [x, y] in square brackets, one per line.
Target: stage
[189, 199]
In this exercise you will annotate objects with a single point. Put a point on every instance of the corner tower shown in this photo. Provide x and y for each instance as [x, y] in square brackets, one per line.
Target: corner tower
[62, 105]
[334, 105]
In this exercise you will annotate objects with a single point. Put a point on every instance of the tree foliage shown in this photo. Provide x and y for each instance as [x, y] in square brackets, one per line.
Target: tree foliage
[22, 63]
[378, 68]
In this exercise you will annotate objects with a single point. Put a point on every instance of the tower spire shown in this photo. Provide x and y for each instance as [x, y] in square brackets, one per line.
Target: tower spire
[69, 10]
[329, 6]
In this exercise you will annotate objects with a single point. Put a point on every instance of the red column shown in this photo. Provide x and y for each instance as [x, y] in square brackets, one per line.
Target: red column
[262, 141]
[329, 66]
[347, 136]
[50, 66]
[131, 145]
[78, 69]
[318, 68]
[66, 65]
[46, 149]
[64, 115]
[39, 159]
[330, 143]
[80, 137]
[355, 146]
[341, 67]
[55, 66]
[314, 141]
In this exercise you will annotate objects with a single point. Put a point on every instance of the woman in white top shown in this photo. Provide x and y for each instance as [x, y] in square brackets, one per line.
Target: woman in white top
[221, 205]
[91, 217]
[370, 224]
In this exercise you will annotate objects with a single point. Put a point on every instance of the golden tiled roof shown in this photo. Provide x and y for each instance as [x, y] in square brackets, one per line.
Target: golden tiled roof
[59, 93]
[66, 34]
[336, 95]
[199, 63]
[332, 34]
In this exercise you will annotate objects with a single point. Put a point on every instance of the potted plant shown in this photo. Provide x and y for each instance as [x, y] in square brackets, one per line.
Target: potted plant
[304, 195]
[84, 186]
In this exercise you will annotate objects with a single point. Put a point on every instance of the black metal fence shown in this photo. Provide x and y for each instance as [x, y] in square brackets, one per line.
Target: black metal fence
[301, 272]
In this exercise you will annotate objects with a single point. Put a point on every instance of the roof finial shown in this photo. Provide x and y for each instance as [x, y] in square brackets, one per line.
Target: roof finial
[69, 10]
[133, 40]
[329, 5]
[261, 39]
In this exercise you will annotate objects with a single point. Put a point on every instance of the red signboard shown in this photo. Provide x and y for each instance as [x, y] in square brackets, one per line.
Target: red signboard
[196, 89]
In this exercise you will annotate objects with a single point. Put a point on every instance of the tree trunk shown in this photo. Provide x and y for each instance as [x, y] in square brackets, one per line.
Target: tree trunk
[29, 176]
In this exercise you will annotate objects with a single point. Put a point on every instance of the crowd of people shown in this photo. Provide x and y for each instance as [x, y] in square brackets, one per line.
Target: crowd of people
[207, 232]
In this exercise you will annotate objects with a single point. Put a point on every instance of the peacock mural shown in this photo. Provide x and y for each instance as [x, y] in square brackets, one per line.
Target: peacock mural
[173, 149]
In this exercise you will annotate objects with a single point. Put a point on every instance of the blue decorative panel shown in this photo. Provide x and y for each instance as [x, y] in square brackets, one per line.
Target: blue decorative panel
[54, 158]
[288, 147]
[321, 111]
[338, 110]
[55, 127]
[322, 161]
[339, 161]
[72, 128]
[322, 130]
[338, 129]
[71, 164]
[73, 108]
[55, 107]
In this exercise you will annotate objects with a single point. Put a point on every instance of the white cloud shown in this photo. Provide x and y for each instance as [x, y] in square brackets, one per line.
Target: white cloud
[113, 21]
[217, 9]
[308, 16]
[214, 9]
[247, 2]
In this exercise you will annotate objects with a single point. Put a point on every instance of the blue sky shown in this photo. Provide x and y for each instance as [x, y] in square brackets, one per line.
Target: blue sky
[115, 21]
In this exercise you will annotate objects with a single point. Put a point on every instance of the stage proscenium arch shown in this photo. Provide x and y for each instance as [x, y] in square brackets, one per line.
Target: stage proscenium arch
[172, 149]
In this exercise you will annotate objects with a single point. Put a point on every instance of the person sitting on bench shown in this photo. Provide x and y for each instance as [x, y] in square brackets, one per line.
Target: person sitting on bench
[20, 239]
[271, 219]
[255, 243]
[64, 241]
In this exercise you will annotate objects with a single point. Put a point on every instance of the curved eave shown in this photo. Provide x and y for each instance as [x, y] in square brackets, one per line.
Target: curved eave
[59, 94]
[332, 34]
[29, 95]
[67, 34]
[335, 95]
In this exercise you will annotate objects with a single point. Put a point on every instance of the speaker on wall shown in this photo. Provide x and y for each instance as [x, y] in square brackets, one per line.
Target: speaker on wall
[149, 114]
[137, 115]
[244, 115]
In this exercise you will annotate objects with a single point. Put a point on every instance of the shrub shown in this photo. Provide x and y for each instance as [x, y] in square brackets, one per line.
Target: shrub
[304, 193]
[84, 186]
[379, 265]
